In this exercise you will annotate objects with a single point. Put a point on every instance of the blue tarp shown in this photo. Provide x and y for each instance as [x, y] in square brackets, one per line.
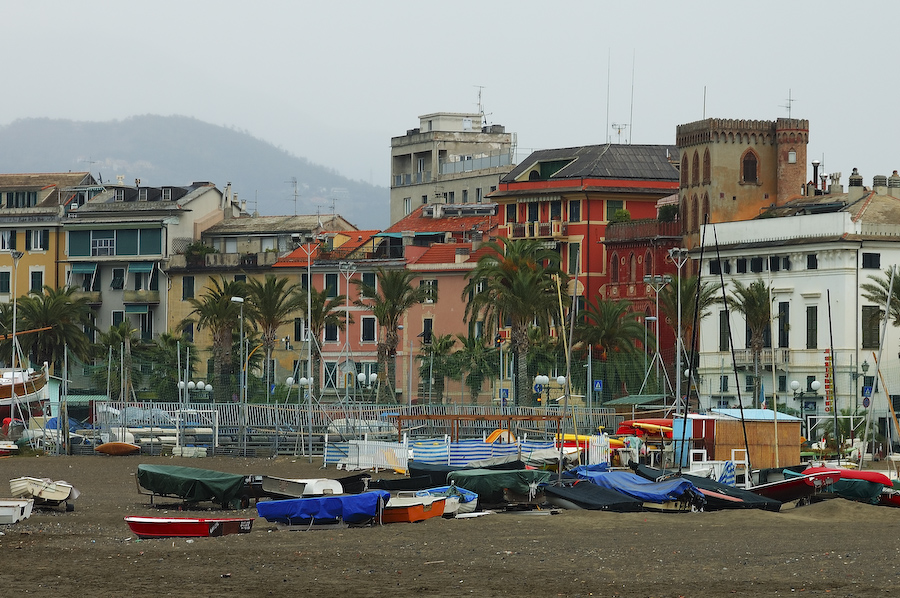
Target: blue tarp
[349, 508]
[635, 486]
[74, 424]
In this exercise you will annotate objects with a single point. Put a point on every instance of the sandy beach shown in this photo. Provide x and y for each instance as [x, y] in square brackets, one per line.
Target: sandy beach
[834, 548]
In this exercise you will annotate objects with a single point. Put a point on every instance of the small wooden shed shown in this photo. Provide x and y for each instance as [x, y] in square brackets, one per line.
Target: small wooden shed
[722, 430]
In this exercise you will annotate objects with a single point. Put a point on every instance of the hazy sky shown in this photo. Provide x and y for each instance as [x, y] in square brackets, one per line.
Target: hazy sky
[333, 81]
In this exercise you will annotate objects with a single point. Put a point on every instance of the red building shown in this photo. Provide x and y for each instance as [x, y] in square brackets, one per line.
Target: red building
[568, 197]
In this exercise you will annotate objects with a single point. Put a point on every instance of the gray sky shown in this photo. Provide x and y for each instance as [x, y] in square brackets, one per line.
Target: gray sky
[333, 81]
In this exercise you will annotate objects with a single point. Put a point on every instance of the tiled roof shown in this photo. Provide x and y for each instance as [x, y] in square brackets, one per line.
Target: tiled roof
[607, 161]
[417, 222]
[298, 257]
[39, 180]
[280, 224]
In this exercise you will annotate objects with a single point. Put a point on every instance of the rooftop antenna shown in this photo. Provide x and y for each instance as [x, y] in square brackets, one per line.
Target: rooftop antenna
[704, 102]
[608, 60]
[293, 182]
[790, 101]
[631, 114]
[89, 161]
[619, 128]
[481, 107]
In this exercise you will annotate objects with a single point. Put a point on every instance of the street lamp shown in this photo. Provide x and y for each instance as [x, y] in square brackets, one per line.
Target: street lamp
[362, 379]
[855, 376]
[542, 383]
[680, 257]
[647, 319]
[798, 394]
[657, 282]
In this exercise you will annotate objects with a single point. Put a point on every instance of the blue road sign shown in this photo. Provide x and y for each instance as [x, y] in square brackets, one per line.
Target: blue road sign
[867, 391]
[598, 385]
[538, 388]
[504, 393]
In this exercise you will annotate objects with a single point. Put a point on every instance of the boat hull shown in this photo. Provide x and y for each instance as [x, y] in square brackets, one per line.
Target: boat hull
[118, 448]
[13, 510]
[412, 509]
[42, 490]
[184, 527]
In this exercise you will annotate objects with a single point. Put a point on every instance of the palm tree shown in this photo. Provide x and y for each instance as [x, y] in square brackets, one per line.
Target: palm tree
[474, 362]
[325, 312]
[616, 331]
[877, 291]
[709, 296]
[514, 280]
[117, 346]
[216, 311]
[436, 365]
[65, 315]
[164, 354]
[272, 303]
[754, 302]
[389, 301]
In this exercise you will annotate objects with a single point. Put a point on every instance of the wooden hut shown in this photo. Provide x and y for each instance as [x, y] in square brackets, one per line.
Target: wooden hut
[723, 430]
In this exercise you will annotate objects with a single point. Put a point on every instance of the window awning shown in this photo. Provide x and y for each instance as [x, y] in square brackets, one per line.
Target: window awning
[136, 309]
[140, 267]
[84, 268]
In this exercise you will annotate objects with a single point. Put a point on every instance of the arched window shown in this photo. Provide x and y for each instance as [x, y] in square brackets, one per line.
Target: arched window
[704, 215]
[707, 176]
[695, 170]
[632, 268]
[749, 167]
[683, 215]
[614, 268]
[695, 214]
[648, 264]
[684, 170]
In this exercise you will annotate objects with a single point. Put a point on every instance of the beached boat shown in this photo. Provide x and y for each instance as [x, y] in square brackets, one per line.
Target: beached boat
[330, 510]
[675, 494]
[799, 486]
[118, 448]
[188, 527]
[44, 491]
[410, 507]
[467, 500]
[718, 495]
[25, 388]
[498, 487]
[579, 494]
[191, 484]
[15, 509]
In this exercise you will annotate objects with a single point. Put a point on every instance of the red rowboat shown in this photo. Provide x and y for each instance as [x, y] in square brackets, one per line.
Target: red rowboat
[186, 527]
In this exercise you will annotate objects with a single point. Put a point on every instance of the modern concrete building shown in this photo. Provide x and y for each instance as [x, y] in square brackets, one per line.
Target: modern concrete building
[450, 158]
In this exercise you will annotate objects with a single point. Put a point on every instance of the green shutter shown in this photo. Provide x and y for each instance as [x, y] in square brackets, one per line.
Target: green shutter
[151, 241]
[79, 243]
[127, 242]
[45, 239]
[12, 238]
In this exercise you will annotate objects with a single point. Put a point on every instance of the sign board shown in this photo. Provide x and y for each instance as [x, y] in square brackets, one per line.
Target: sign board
[867, 391]
[598, 385]
[866, 402]
[538, 388]
[504, 393]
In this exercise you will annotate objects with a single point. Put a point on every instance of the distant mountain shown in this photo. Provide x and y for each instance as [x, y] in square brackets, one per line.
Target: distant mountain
[177, 150]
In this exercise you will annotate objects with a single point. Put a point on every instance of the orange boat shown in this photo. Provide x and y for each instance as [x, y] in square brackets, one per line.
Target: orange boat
[117, 448]
[406, 507]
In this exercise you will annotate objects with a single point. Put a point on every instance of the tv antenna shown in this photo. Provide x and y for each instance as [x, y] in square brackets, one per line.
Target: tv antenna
[790, 101]
[619, 127]
[481, 107]
[293, 182]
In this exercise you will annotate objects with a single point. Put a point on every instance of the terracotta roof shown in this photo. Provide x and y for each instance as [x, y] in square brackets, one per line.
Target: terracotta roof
[443, 253]
[298, 257]
[417, 222]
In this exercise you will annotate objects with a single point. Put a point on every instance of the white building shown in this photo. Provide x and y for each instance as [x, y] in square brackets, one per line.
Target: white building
[814, 252]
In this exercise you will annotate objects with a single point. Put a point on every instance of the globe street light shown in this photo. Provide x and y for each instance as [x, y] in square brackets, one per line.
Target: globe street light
[798, 394]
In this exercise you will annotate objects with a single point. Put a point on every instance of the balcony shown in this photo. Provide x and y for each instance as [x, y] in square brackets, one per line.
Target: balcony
[744, 357]
[140, 296]
[418, 178]
[539, 230]
[642, 229]
[92, 297]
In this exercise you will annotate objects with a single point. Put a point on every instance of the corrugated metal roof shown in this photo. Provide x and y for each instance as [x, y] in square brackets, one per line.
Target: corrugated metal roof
[756, 414]
[609, 161]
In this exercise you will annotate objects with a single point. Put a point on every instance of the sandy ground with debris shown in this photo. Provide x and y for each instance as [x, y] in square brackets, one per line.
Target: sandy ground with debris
[834, 548]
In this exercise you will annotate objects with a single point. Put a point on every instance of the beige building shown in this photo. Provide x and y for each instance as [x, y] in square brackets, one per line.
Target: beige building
[450, 158]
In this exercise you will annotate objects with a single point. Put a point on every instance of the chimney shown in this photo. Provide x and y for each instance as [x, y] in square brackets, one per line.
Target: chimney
[855, 189]
[477, 240]
[462, 254]
[835, 187]
[894, 185]
[815, 165]
[408, 237]
[879, 183]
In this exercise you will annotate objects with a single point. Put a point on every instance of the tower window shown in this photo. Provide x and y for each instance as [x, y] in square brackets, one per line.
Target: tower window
[749, 167]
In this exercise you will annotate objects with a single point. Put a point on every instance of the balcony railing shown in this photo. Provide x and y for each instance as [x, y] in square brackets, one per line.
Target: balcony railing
[642, 229]
[140, 296]
[539, 230]
[417, 178]
[92, 297]
[745, 357]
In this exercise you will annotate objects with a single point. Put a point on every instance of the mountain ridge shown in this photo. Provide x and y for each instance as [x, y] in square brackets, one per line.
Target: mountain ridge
[177, 150]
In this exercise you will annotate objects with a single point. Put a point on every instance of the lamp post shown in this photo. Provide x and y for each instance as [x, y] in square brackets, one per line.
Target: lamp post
[657, 282]
[680, 257]
[798, 394]
[306, 383]
[241, 382]
[855, 376]
[542, 383]
[647, 319]
[362, 379]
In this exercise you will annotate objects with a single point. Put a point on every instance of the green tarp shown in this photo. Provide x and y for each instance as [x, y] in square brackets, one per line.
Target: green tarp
[488, 484]
[190, 483]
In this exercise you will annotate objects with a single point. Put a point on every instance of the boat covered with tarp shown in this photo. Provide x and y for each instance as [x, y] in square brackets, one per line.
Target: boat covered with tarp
[582, 494]
[675, 490]
[355, 509]
[490, 484]
[439, 473]
[191, 484]
[717, 494]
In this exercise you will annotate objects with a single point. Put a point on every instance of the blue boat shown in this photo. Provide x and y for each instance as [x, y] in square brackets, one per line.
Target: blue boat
[341, 509]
